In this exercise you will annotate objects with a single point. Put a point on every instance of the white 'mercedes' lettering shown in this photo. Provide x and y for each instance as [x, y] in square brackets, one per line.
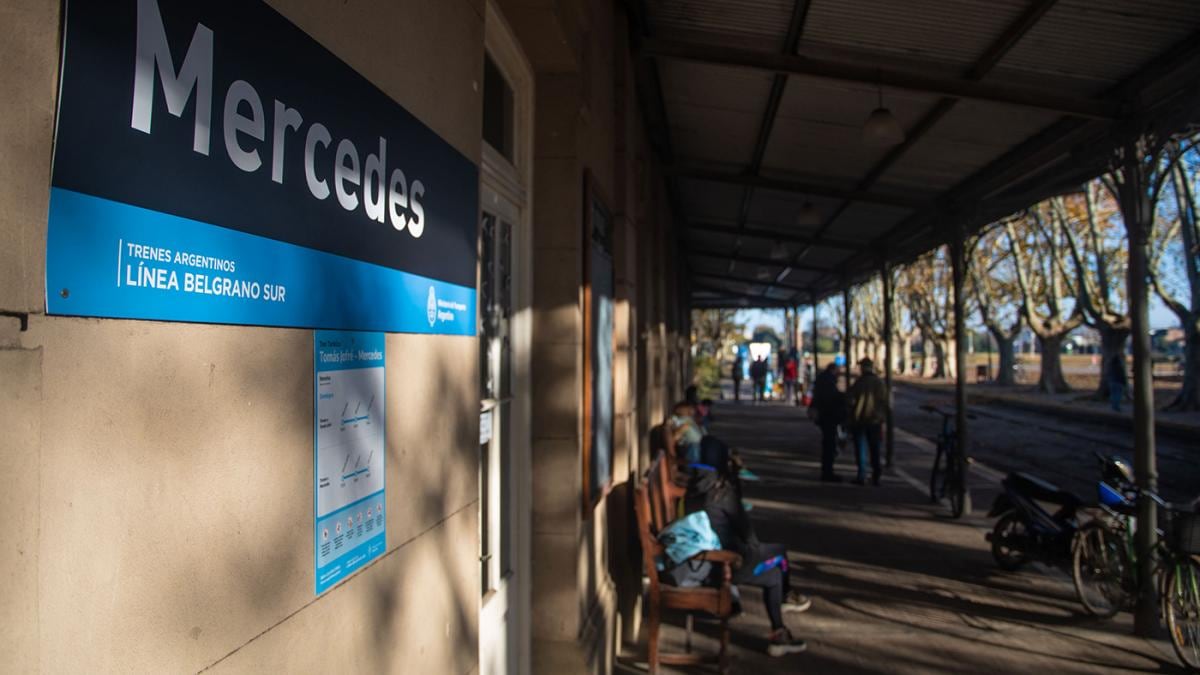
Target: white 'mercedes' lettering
[234, 123]
[317, 133]
[385, 195]
[343, 173]
[194, 74]
[417, 225]
[285, 118]
[374, 184]
[398, 200]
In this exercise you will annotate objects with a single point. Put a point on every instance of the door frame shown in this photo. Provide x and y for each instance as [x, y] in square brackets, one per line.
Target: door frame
[513, 182]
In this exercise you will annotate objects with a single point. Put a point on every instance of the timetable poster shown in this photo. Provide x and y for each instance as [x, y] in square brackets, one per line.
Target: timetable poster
[348, 449]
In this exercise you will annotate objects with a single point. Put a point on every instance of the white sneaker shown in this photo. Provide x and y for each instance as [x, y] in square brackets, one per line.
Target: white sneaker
[796, 603]
[782, 643]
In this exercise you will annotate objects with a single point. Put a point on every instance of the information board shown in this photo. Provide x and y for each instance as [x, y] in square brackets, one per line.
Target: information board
[348, 454]
[213, 163]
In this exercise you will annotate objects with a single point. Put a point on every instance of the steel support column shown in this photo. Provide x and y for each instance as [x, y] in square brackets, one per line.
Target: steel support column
[846, 338]
[958, 264]
[888, 330]
[1138, 212]
[816, 359]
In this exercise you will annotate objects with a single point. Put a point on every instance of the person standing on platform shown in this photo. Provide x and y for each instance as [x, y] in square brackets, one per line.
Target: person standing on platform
[868, 411]
[736, 374]
[758, 375]
[790, 372]
[1114, 372]
[830, 406]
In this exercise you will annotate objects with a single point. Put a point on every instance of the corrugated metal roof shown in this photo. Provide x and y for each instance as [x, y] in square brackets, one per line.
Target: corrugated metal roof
[866, 221]
[819, 127]
[987, 124]
[714, 112]
[1079, 47]
[1103, 40]
[707, 201]
[949, 31]
[938, 164]
[776, 209]
[764, 21]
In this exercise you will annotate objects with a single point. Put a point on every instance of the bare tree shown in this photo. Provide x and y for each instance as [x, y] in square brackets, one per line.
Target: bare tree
[1099, 253]
[926, 286]
[715, 331]
[1035, 245]
[1175, 262]
[994, 286]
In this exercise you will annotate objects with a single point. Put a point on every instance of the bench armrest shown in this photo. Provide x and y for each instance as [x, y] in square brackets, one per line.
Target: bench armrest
[724, 557]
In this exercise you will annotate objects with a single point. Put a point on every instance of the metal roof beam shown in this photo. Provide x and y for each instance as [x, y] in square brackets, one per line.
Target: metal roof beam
[790, 42]
[779, 236]
[743, 280]
[753, 260]
[982, 66]
[796, 186]
[894, 78]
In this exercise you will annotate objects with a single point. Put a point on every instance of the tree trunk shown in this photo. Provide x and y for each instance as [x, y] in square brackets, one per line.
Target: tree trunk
[1052, 380]
[949, 358]
[1189, 394]
[907, 353]
[933, 359]
[1112, 343]
[929, 359]
[1006, 375]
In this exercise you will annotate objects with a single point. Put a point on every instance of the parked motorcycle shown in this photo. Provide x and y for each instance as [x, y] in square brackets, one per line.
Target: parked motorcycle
[1028, 531]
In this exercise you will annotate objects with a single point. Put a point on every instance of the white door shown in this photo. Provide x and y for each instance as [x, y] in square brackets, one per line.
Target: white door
[504, 347]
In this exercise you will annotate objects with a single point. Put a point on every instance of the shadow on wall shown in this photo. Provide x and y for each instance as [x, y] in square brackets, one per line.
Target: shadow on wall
[220, 438]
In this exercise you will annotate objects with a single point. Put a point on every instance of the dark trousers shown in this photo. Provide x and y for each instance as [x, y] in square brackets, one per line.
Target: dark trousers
[737, 388]
[867, 438]
[828, 448]
[760, 389]
[774, 582]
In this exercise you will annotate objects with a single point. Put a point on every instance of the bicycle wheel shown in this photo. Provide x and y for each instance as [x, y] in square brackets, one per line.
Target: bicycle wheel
[937, 477]
[1007, 539]
[1101, 569]
[1182, 604]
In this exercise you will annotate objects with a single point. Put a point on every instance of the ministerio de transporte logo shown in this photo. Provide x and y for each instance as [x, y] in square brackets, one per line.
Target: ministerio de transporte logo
[431, 308]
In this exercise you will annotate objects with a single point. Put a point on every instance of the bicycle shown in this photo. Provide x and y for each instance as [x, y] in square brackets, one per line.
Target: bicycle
[951, 481]
[1104, 568]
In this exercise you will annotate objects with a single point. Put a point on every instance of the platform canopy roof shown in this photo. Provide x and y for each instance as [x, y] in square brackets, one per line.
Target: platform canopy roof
[757, 108]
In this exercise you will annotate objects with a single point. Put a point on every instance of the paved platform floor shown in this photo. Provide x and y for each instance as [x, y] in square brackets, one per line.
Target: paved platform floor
[897, 585]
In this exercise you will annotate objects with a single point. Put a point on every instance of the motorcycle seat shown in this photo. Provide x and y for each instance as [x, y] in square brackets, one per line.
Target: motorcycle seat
[1041, 490]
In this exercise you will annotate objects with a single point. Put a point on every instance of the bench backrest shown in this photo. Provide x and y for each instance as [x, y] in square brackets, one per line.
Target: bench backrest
[647, 516]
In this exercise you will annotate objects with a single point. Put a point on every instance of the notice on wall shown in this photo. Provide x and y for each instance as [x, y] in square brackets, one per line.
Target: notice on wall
[213, 163]
[348, 453]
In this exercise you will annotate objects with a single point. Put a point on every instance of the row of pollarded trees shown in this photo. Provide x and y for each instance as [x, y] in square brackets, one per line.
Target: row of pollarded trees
[1054, 267]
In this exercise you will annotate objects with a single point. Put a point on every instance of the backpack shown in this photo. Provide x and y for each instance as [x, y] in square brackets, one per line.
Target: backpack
[687, 536]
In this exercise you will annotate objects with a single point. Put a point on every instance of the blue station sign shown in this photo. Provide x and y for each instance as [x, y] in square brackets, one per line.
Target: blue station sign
[213, 163]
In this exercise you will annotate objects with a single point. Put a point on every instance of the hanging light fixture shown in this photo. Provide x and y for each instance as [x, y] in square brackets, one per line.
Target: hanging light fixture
[779, 251]
[881, 128]
[808, 216]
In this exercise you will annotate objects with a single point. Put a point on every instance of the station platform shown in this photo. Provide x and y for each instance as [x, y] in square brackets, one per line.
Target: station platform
[898, 586]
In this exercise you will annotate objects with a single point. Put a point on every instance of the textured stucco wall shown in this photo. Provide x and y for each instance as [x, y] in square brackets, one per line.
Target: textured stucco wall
[159, 475]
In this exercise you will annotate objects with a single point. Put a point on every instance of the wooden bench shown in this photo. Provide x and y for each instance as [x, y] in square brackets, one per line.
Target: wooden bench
[655, 501]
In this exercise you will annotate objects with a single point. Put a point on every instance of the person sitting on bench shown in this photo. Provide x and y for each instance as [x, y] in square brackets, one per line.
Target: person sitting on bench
[685, 432]
[713, 486]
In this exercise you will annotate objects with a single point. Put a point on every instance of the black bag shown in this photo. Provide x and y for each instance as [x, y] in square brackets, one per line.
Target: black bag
[690, 573]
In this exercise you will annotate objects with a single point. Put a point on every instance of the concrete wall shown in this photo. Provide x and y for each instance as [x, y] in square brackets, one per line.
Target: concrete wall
[586, 569]
[157, 477]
